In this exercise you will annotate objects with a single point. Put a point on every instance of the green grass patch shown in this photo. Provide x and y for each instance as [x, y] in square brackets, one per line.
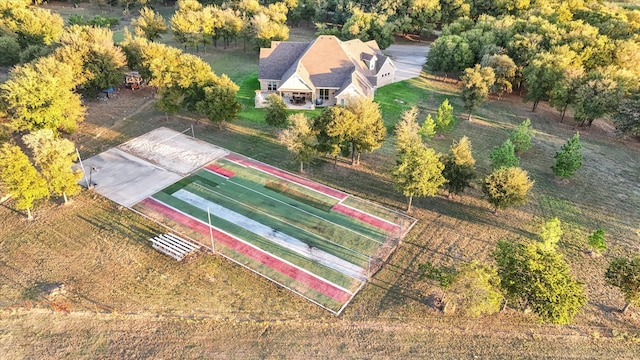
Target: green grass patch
[246, 96]
[395, 98]
[335, 226]
[268, 246]
[310, 230]
[281, 187]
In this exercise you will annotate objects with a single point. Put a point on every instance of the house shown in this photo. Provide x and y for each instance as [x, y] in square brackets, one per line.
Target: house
[323, 72]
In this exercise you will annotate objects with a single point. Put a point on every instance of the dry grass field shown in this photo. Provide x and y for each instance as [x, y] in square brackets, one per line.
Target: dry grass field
[122, 299]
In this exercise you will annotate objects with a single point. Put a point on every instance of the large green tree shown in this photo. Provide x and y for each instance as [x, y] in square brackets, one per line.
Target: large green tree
[20, 178]
[299, 138]
[218, 100]
[418, 173]
[450, 54]
[371, 132]
[475, 290]
[459, 166]
[545, 70]
[149, 24]
[39, 96]
[538, 278]
[507, 186]
[55, 157]
[624, 274]
[476, 83]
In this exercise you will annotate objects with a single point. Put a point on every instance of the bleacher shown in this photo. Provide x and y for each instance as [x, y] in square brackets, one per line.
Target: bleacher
[173, 246]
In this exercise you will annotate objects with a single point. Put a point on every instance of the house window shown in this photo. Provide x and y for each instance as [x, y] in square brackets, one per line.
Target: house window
[272, 85]
[324, 94]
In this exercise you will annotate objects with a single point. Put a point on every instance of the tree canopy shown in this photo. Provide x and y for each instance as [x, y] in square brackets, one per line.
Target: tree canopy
[418, 173]
[20, 178]
[538, 278]
[507, 186]
[624, 274]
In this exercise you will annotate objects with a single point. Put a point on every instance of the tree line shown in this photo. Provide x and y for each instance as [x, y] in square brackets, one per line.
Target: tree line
[41, 102]
[578, 56]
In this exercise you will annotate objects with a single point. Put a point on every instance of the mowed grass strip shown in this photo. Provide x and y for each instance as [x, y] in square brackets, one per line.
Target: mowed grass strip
[331, 226]
[281, 188]
[261, 211]
[313, 267]
[264, 178]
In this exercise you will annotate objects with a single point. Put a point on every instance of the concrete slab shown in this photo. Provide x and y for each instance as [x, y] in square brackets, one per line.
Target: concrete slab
[124, 178]
[408, 59]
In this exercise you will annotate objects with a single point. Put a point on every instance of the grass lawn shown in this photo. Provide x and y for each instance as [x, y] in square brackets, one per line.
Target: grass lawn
[127, 300]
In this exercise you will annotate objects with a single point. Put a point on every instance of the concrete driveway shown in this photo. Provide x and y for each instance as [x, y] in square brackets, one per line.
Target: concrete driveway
[408, 59]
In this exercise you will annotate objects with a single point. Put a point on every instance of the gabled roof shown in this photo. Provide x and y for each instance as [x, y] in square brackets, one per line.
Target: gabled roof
[325, 62]
[275, 61]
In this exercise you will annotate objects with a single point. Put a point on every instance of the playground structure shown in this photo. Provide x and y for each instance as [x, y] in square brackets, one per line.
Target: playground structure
[133, 80]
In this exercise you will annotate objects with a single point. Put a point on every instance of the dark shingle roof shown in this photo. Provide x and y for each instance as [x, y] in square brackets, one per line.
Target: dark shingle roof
[275, 61]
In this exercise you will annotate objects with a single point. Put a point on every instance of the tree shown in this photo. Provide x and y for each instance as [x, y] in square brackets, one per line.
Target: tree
[407, 131]
[445, 120]
[504, 156]
[266, 30]
[428, 128]
[505, 71]
[276, 113]
[476, 290]
[9, 51]
[597, 96]
[39, 96]
[539, 279]
[507, 186]
[544, 71]
[149, 24]
[187, 23]
[521, 137]
[55, 157]
[368, 26]
[624, 274]
[450, 54]
[459, 166]
[569, 158]
[370, 131]
[476, 82]
[299, 138]
[97, 62]
[563, 92]
[596, 241]
[219, 101]
[329, 142]
[21, 179]
[627, 116]
[418, 173]
[550, 234]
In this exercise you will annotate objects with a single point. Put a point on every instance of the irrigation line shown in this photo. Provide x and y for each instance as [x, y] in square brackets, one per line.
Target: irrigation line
[306, 212]
[280, 220]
